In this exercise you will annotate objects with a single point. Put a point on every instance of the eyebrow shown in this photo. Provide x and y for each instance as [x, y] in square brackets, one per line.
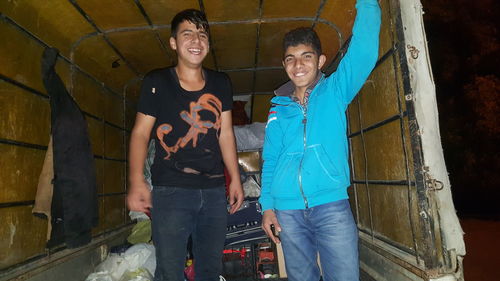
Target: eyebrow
[304, 53]
[191, 30]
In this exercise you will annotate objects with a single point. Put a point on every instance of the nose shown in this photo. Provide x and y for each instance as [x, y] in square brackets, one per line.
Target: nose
[196, 37]
[298, 63]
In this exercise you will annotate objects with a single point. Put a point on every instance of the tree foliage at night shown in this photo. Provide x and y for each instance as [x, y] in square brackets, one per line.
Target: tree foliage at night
[465, 50]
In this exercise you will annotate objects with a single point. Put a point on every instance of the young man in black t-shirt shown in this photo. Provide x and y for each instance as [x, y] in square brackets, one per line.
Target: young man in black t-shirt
[187, 109]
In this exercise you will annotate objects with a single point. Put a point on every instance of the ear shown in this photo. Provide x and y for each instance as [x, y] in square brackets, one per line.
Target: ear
[322, 60]
[173, 43]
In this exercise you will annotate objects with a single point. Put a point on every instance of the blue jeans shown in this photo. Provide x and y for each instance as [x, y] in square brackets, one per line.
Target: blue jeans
[328, 230]
[178, 213]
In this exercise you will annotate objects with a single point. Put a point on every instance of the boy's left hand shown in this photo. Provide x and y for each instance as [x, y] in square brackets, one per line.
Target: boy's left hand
[235, 196]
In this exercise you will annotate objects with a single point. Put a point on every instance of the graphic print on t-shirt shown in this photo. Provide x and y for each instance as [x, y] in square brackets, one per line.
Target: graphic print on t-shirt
[205, 102]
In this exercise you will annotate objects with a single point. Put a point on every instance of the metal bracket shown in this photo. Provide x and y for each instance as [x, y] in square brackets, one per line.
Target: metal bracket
[413, 51]
[431, 183]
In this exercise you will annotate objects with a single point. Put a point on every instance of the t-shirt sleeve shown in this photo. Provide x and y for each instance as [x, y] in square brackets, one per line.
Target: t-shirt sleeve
[149, 97]
[227, 94]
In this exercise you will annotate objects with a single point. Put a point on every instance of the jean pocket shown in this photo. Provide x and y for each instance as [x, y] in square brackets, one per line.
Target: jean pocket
[162, 191]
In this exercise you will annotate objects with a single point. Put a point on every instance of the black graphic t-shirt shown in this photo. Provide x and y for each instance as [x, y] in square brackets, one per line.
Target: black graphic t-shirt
[187, 128]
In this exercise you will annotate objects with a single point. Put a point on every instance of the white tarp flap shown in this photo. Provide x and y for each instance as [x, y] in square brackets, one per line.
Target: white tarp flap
[424, 96]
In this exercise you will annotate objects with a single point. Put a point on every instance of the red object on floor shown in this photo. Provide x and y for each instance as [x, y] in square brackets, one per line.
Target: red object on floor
[189, 272]
[266, 256]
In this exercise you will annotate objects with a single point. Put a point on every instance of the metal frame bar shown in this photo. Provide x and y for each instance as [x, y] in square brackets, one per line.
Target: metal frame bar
[394, 118]
[386, 182]
[148, 20]
[94, 25]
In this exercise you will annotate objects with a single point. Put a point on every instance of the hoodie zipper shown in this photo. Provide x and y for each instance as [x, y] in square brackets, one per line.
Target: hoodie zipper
[304, 122]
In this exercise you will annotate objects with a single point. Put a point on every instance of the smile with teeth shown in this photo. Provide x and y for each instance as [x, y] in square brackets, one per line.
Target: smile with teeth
[300, 74]
[195, 51]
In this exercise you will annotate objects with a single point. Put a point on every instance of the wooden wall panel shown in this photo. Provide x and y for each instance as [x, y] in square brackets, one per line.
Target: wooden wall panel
[25, 116]
[114, 109]
[114, 176]
[123, 13]
[341, 13]
[389, 207]
[358, 159]
[378, 98]
[56, 22]
[363, 207]
[162, 11]
[384, 151]
[96, 57]
[235, 45]
[89, 95]
[114, 142]
[100, 174]
[114, 211]
[20, 57]
[330, 41]
[225, 10]
[269, 79]
[283, 9]
[96, 135]
[22, 235]
[21, 167]
[353, 116]
[386, 42]
[242, 81]
[142, 49]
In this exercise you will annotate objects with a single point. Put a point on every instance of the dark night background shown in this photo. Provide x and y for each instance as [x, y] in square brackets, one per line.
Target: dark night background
[464, 50]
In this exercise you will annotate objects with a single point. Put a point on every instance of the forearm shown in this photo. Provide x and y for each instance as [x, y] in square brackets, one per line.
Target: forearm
[362, 53]
[228, 149]
[137, 157]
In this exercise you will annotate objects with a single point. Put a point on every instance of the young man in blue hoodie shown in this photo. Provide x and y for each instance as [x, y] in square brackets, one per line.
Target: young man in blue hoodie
[305, 173]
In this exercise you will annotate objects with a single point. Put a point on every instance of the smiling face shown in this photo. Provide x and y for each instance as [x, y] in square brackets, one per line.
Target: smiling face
[302, 64]
[191, 44]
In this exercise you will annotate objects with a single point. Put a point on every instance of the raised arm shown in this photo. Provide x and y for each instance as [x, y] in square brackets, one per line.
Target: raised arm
[362, 53]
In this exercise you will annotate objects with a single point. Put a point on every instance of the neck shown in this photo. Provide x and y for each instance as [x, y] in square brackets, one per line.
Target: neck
[190, 78]
[300, 92]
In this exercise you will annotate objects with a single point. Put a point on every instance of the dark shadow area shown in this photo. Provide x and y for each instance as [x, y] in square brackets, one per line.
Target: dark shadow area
[464, 50]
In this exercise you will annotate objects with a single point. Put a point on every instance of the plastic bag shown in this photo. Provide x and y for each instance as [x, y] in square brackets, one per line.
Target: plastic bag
[138, 258]
[99, 276]
[141, 232]
[251, 188]
[141, 274]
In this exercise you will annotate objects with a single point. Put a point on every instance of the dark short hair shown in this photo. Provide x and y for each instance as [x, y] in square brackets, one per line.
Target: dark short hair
[302, 35]
[194, 16]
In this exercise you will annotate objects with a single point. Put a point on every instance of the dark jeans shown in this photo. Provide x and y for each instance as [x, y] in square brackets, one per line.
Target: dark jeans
[178, 213]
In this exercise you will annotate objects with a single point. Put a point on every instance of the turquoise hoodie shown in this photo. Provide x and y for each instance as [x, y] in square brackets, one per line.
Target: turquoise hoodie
[305, 151]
